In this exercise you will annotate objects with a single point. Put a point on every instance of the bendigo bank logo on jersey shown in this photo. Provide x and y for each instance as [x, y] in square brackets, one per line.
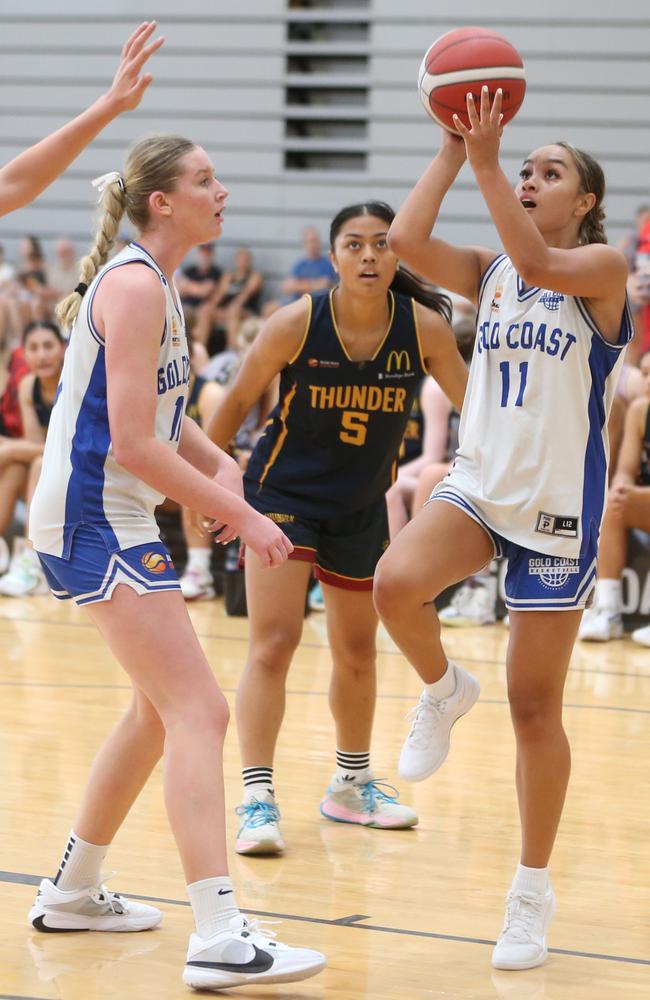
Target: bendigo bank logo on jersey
[156, 563]
[494, 305]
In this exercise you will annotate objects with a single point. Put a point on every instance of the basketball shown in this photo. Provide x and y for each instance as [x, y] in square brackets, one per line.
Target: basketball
[462, 61]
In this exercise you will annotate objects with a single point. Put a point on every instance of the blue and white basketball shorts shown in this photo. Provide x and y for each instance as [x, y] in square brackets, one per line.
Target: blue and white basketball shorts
[92, 573]
[535, 581]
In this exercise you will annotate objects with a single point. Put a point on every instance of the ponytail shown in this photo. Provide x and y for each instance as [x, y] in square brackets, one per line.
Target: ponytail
[113, 206]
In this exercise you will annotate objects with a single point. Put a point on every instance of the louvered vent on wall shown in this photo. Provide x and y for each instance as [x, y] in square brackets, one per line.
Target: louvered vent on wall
[326, 85]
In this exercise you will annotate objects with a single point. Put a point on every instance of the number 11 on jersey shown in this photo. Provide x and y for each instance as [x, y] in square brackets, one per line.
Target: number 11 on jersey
[504, 368]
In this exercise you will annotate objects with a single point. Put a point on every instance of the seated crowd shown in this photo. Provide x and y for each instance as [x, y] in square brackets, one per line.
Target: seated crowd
[225, 308]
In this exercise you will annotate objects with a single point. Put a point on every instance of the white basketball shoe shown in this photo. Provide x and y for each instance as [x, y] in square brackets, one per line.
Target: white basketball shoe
[427, 744]
[522, 942]
[93, 909]
[243, 956]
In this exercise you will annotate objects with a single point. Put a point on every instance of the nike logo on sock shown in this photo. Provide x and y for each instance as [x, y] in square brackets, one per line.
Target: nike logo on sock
[224, 892]
[262, 962]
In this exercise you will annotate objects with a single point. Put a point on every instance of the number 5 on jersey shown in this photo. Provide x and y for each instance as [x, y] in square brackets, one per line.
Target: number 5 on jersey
[353, 426]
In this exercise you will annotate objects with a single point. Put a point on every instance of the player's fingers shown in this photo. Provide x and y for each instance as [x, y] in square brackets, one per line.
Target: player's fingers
[495, 111]
[288, 545]
[485, 105]
[138, 61]
[460, 126]
[145, 29]
[471, 111]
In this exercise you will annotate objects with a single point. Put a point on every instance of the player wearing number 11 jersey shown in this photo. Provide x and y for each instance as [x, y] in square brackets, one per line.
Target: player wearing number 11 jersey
[530, 478]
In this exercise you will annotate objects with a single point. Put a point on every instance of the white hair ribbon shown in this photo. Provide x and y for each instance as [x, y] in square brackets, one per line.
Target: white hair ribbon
[112, 177]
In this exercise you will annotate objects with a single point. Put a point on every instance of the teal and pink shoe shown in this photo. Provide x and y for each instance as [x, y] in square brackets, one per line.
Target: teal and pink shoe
[373, 803]
[259, 832]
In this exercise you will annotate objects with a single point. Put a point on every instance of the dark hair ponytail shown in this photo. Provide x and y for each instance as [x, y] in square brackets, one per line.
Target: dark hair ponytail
[404, 281]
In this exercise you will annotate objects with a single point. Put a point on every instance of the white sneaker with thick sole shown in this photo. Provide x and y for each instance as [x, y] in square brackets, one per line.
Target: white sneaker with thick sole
[93, 909]
[600, 625]
[371, 803]
[196, 586]
[522, 943]
[244, 956]
[427, 744]
[25, 577]
[259, 832]
[471, 605]
[641, 635]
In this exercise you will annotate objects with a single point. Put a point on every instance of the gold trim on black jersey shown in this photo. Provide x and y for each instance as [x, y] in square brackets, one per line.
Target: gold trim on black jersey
[384, 338]
[284, 413]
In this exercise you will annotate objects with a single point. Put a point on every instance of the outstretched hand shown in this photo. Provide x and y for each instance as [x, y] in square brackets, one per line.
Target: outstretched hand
[128, 86]
[483, 136]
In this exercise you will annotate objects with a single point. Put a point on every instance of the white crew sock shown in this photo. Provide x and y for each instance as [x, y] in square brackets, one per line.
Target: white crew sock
[531, 879]
[199, 559]
[445, 686]
[81, 864]
[213, 905]
[609, 595]
[353, 767]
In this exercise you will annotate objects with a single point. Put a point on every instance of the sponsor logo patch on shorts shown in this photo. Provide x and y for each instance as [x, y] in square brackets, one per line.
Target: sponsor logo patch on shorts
[156, 563]
[557, 524]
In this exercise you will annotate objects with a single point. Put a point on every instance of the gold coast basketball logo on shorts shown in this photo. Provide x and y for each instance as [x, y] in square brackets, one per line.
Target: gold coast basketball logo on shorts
[156, 563]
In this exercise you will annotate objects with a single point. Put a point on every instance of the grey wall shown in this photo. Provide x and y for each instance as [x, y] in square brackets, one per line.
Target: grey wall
[222, 79]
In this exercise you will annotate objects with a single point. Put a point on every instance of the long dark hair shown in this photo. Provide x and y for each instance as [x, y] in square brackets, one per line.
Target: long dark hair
[45, 324]
[404, 281]
[592, 181]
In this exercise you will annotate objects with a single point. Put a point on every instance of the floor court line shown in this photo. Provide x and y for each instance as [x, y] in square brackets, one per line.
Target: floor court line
[319, 694]
[354, 921]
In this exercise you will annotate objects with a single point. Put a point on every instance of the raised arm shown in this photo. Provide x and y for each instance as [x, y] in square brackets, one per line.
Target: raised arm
[595, 271]
[29, 173]
[274, 347]
[457, 269]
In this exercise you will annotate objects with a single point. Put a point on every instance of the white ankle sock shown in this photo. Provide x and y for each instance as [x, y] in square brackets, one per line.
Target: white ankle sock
[444, 686]
[531, 879]
[81, 865]
[609, 595]
[213, 905]
[352, 766]
[199, 559]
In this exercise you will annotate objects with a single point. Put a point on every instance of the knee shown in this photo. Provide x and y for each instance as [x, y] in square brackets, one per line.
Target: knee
[355, 657]
[534, 712]
[393, 588]
[205, 716]
[273, 652]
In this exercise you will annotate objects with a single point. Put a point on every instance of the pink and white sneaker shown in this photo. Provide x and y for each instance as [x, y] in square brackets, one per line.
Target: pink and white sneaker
[368, 804]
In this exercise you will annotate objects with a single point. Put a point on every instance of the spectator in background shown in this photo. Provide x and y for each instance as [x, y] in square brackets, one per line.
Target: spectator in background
[630, 243]
[312, 273]
[20, 458]
[196, 284]
[636, 248]
[7, 270]
[237, 295]
[63, 274]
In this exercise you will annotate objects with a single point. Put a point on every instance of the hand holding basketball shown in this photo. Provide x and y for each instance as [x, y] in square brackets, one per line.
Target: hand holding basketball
[483, 136]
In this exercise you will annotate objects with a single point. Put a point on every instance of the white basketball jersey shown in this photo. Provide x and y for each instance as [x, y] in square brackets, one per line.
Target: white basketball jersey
[533, 447]
[81, 482]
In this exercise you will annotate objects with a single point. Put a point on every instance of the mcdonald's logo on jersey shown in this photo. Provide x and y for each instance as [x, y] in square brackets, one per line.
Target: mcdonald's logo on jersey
[398, 360]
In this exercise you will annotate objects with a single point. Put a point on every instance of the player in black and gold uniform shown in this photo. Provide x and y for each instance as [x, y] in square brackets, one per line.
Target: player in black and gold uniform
[350, 362]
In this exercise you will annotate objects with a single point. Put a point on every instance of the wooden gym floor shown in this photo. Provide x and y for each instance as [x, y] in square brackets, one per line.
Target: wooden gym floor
[401, 915]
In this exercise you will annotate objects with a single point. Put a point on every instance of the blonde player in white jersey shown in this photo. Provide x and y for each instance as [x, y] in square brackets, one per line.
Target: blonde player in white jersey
[119, 442]
[530, 477]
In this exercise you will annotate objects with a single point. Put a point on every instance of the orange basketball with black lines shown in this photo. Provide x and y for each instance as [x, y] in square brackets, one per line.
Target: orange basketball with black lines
[463, 61]
[154, 563]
